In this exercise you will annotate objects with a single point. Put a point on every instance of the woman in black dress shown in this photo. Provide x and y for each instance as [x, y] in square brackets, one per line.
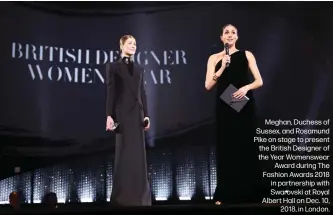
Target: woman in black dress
[236, 153]
[127, 107]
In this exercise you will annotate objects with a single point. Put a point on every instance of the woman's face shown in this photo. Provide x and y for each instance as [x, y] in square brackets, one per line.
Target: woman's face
[129, 47]
[229, 35]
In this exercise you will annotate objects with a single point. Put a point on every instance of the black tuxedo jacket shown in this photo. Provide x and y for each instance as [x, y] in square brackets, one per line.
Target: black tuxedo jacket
[124, 91]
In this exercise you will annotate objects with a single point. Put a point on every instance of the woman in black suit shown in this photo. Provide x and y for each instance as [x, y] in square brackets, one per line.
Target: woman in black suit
[127, 108]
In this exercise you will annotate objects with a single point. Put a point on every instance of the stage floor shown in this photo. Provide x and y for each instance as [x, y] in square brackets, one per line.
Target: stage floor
[155, 209]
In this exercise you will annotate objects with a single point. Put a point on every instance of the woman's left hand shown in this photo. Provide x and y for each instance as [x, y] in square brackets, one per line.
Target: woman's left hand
[148, 124]
[241, 92]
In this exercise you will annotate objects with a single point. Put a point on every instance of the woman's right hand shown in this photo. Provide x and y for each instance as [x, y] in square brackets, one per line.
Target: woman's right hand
[109, 123]
[226, 59]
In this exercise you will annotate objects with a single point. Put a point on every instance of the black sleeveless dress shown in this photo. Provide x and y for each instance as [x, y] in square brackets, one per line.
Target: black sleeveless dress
[236, 153]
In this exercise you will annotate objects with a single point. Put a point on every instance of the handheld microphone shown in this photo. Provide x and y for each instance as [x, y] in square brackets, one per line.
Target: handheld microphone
[226, 46]
[114, 126]
[145, 123]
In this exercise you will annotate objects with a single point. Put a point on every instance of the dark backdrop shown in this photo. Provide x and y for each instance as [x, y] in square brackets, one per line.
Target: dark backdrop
[65, 102]
[61, 110]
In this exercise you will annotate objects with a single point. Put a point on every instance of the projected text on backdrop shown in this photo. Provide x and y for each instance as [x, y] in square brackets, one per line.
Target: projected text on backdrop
[79, 65]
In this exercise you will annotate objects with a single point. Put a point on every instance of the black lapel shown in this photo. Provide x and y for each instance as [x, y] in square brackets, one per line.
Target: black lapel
[123, 71]
[136, 71]
[127, 78]
[124, 74]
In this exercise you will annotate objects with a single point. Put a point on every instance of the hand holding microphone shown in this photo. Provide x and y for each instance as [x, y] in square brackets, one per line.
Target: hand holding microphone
[146, 123]
[110, 125]
[226, 47]
[226, 61]
[113, 126]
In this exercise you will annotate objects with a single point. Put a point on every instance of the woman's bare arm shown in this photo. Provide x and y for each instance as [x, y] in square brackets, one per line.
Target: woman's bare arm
[210, 73]
[258, 82]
